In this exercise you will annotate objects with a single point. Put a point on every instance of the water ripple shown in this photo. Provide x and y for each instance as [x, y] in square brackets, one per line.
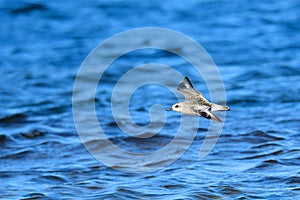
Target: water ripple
[255, 46]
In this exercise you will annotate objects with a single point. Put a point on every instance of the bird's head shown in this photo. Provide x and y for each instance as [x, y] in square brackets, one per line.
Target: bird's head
[176, 107]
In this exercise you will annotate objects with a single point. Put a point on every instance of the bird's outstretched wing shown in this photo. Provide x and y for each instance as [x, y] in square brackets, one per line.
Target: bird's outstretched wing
[187, 89]
[206, 113]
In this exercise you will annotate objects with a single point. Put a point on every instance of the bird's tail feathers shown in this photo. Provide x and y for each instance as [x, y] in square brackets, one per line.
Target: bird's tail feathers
[216, 107]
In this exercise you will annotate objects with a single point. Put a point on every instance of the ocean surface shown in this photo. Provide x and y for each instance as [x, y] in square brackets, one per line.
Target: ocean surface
[256, 47]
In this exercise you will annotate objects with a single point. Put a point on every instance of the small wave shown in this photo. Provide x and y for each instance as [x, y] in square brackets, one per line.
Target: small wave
[142, 144]
[266, 145]
[15, 118]
[229, 190]
[123, 192]
[249, 76]
[28, 8]
[34, 195]
[270, 163]
[296, 188]
[204, 195]
[246, 100]
[293, 180]
[2, 138]
[17, 154]
[260, 137]
[33, 134]
[262, 155]
[53, 178]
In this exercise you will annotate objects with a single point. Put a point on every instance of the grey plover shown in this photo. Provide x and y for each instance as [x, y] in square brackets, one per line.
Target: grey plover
[195, 103]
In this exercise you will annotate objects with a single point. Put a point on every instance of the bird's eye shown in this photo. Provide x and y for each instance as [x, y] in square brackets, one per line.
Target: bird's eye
[176, 106]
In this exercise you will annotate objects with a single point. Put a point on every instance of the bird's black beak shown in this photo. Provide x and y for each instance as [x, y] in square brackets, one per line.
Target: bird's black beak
[169, 109]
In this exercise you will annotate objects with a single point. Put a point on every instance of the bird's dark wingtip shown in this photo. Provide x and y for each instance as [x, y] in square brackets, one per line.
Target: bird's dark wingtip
[185, 83]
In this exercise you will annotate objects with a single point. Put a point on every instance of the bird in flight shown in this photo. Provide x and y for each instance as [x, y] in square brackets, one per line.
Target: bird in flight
[195, 103]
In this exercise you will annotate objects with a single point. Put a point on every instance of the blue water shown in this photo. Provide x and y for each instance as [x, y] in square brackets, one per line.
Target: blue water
[255, 46]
